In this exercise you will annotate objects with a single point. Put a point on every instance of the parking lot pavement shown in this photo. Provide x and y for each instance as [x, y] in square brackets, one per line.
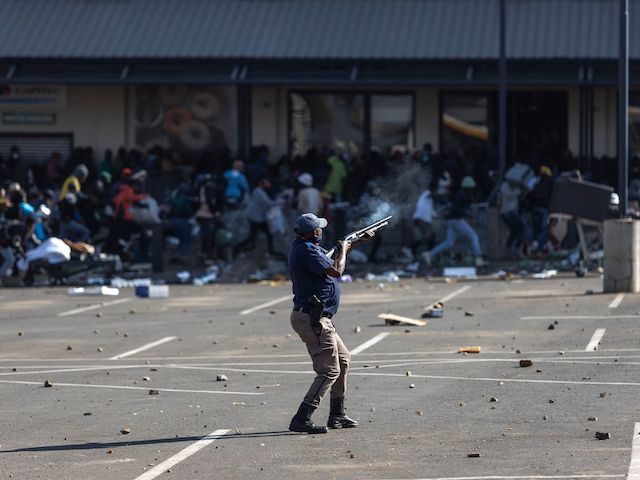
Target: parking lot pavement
[426, 411]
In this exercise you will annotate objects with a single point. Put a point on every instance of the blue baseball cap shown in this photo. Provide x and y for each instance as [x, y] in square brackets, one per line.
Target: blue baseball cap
[308, 222]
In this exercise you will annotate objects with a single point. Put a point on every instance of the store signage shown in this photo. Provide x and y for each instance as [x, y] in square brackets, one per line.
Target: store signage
[28, 118]
[49, 95]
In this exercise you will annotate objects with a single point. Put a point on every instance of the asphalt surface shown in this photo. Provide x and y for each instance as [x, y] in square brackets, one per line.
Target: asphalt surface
[423, 407]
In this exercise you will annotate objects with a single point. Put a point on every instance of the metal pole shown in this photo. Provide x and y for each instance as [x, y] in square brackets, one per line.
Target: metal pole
[623, 108]
[502, 93]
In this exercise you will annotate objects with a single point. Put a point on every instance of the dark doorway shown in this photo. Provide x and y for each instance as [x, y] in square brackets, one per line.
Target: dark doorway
[538, 126]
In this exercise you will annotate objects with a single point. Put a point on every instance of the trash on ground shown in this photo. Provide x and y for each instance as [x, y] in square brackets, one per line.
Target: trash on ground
[222, 378]
[473, 455]
[392, 319]
[545, 274]
[385, 277]
[435, 311]
[119, 282]
[357, 329]
[154, 392]
[468, 313]
[412, 385]
[460, 272]
[125, 431]
[470, 349]
[603, 435]
[551, 327]
[183, 276]
[47, 384]
[93, 291]
[152, 291]
[592, 419]
[210, 277]
[526, 363]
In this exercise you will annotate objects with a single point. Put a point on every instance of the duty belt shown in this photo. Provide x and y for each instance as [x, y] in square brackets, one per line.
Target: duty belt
[308, 312]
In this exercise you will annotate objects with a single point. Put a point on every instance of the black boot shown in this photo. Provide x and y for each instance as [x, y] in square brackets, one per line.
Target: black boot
[301, 422]
[338, 417]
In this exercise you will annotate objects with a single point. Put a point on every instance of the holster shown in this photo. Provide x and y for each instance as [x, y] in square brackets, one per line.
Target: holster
[317, 307]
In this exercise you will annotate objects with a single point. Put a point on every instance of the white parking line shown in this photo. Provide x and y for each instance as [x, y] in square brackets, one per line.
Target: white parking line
[580, 317]
[93, 307]
[121, 387]
[369, 343]
[616, 301]
[143, 348]
[454, 294]
[595, 340]
[265, 305]
[182, 455]
[634, 465]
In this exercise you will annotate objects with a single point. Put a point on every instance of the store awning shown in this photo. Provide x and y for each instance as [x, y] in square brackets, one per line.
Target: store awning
[341, 41]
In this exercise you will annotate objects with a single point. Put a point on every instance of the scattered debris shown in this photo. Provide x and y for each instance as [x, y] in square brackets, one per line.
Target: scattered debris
[468, 313]
[47, 384]
[603, 435]
[69, 347]
[603, 394]
[545, 274]
[125, 431]
[152, 291]
[460, 272]
[154, 392]
[419, 413]
[589, 292]
[551, 401]
[408, 373]
[110, 451]
[357, 329]
[108, 291]
[551, 327]
[412, 385]
[100, 349]
[183, 276]
[132, 311]
[20, 334]
[472, 349]
[146, 379]
[473, 455]
[435, 311]
[222, 378]
[392, 319]
[87, 414]
[546, 417]
[493, 399]
[592, 419]
[526, 363]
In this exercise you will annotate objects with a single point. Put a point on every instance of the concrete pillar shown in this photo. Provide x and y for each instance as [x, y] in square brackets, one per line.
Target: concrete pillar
[621, 255]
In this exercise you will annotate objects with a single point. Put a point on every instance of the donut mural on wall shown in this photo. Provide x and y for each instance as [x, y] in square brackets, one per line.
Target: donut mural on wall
[187, 118]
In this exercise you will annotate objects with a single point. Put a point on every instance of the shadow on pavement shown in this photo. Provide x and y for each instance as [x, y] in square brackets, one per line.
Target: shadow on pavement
[155, 441]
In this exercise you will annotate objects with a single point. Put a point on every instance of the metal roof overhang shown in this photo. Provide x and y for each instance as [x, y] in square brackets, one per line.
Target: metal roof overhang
[471, 72]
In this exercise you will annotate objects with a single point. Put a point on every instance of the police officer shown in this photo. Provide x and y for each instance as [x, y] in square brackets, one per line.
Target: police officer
[315, 302]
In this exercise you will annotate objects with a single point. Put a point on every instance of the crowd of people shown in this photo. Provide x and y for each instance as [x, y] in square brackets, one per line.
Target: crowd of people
[111, 202]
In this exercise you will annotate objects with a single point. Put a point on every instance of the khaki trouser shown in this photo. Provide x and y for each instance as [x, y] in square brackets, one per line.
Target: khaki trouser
[329, 355]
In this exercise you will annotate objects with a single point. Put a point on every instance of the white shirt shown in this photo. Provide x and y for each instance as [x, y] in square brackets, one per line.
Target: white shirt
[310, 201]
[424, 208]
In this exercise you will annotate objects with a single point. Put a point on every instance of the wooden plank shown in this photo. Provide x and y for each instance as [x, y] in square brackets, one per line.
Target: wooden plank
[392, 319]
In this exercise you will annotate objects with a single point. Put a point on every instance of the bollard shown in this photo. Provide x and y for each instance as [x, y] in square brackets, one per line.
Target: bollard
[621, 255]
